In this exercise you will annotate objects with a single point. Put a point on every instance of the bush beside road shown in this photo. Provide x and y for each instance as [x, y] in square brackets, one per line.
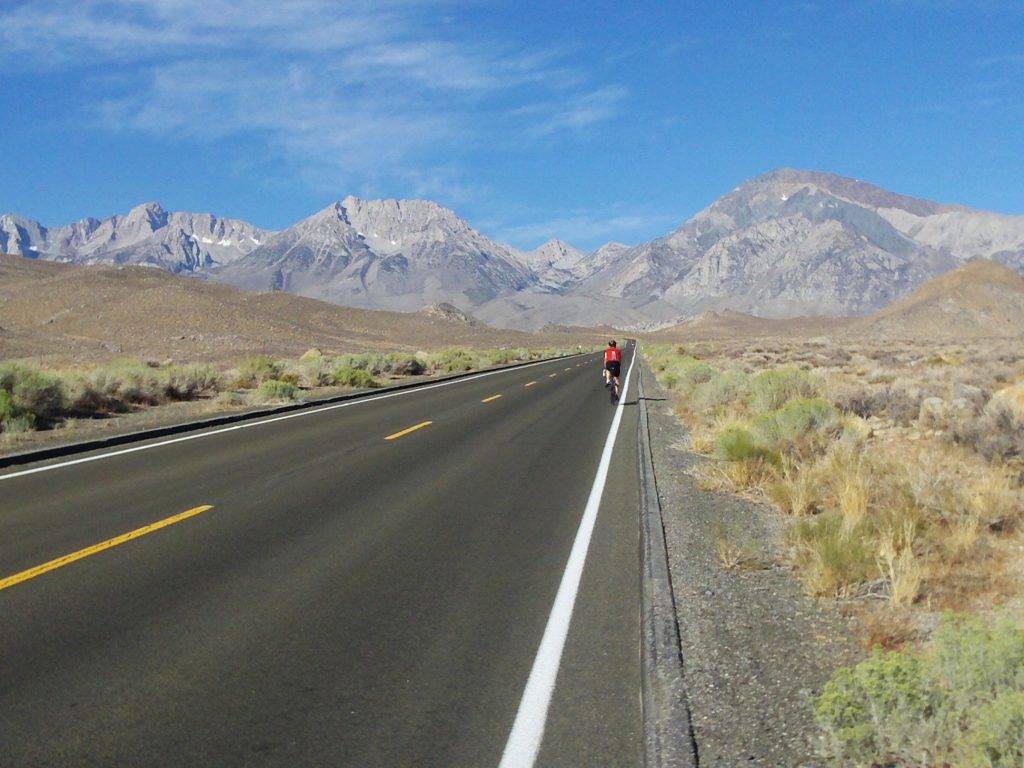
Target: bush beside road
[898, 474]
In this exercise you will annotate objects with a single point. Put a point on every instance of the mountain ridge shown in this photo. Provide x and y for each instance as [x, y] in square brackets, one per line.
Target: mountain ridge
[178, 241]
[788, 242]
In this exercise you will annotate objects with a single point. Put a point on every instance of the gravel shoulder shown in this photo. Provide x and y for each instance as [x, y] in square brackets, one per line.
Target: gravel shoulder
[755, 649]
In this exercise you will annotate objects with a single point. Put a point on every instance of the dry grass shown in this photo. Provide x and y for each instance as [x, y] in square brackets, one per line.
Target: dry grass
[909, 500]
[734, 548]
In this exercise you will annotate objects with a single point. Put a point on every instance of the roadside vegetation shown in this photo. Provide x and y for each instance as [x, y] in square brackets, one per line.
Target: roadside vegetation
[35, 398]
[900, 474]
[956, 701]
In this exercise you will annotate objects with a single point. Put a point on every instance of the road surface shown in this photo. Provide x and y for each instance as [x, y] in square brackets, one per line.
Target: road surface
[317, 594]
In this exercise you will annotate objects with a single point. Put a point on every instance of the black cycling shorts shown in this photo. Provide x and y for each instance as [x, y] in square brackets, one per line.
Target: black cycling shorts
[613, 367]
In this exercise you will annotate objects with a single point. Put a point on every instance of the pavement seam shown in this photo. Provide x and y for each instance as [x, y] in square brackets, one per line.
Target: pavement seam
[669, 740]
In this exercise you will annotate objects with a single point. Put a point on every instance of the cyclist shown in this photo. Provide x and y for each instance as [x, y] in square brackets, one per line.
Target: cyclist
[612, 364]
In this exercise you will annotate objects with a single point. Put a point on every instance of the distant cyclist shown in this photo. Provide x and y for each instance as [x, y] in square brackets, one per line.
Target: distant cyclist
[612, 365]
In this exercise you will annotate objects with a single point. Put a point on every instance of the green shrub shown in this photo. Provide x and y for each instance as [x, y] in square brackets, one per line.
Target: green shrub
[959, 701]
[686, 373]
[12, 418]
[771, 389]
[312, 371]
[34, 394]
[729, 386]
[831, 559]
[188, 382]
[115, 387]
[377, 364]
[253, 371]
[996, 736]
[794, 420]
[873, 712]
[97, 391]
[454, 360]
[346, 376]
[736, 443]
[137, 383]
[273, 390]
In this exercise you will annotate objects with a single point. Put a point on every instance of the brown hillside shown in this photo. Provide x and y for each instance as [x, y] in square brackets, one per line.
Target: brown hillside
[727, 324]
[979, 299]
[65, 313]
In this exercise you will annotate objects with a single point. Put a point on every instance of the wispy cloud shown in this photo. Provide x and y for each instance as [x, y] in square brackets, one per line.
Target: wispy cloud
[573, 112]
[348, 92]
[587, 228]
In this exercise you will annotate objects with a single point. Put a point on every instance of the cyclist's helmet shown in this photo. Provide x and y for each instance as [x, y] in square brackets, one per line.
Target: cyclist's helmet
[611, 343]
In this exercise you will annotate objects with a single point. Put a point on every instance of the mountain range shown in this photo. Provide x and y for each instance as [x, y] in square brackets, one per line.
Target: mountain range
[147, 234]
[784, 244]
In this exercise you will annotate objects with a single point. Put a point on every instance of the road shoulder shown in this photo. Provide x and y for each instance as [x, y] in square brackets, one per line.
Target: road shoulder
[755, 649]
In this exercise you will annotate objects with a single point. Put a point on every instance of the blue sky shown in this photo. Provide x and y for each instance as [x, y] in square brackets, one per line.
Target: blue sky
[590, 121]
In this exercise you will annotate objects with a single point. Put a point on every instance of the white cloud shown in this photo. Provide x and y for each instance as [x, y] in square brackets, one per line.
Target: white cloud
[347, 93]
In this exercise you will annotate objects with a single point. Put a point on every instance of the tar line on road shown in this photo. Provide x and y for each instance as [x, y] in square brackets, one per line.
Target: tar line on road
[528, 728]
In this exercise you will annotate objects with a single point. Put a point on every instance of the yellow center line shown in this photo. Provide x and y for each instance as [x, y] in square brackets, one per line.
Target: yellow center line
[407, 430]
[31, 573]
[529, 384]
[488, 399]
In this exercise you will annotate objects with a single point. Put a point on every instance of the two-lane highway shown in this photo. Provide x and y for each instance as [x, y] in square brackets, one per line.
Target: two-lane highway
[364, 584]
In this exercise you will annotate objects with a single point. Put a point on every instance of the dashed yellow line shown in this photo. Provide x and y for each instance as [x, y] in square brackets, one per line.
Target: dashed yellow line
[60, 562]
[407, 430]
[488, 399]
[529, 384]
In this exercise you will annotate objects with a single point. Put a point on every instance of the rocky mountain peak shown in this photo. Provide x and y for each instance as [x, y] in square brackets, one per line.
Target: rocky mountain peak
[393, 213]
[789, 180]
[554, 253]
[151, 215]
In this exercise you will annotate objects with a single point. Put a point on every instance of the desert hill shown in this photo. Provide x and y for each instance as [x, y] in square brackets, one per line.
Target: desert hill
[64, 313]
[728, 324]
[979, 299]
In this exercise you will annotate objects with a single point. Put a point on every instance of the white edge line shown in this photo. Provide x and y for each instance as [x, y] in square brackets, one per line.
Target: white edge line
[528, 729]
[271, 420]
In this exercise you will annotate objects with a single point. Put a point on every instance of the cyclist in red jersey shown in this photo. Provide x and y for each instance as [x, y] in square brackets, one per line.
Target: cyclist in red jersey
[612, 365]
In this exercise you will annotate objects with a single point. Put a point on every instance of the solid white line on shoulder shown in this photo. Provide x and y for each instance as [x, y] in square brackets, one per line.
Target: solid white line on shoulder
[259, 422]
[528, 729]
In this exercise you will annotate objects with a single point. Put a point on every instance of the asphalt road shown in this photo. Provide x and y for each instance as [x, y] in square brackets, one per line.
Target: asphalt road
[346, 600]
